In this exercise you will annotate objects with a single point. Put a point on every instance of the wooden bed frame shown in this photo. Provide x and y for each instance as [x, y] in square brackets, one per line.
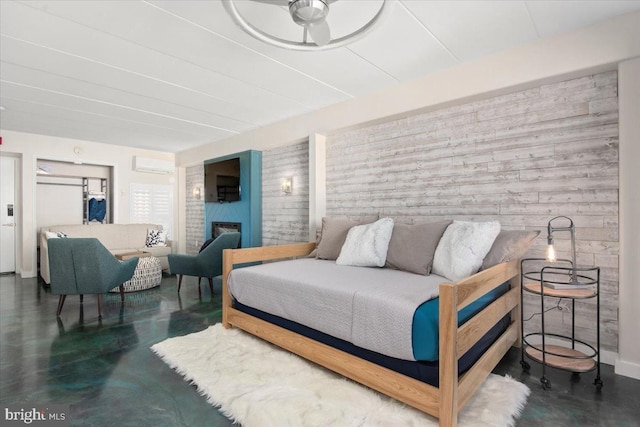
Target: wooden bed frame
[442, 402]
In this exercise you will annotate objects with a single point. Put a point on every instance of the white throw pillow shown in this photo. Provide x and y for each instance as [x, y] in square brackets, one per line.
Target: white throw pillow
[156, 238]
[367, 245]
[463, 247]
[55, 235]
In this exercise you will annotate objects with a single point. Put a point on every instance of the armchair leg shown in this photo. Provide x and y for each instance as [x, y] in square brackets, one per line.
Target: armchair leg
[199, 291]
[81, 299]
[210, 285]
[122, 292]
[179, 281]
[99, 306]
[60, 304]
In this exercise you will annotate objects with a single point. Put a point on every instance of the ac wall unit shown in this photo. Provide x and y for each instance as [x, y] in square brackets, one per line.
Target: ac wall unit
[146, 164]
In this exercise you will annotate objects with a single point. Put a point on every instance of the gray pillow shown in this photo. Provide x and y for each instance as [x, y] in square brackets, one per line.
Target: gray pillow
[314, 252]
[334, 233]
[412, 246]
[509, 245]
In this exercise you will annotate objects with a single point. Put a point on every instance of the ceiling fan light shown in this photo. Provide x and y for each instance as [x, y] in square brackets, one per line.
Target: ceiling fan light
[308, 12]
[320, 33]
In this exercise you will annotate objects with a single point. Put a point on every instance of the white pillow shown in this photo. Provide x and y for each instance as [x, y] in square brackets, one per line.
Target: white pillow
[55, 235]
[367, 245]
[156, 238]
[463, 247]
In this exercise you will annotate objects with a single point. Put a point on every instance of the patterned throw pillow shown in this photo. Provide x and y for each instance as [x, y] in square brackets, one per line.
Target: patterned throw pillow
[156, 238]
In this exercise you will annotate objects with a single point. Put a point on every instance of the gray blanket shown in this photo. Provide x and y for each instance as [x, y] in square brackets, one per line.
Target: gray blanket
[369, 307]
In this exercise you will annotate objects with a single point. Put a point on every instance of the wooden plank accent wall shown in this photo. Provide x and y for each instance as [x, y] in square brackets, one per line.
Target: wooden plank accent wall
[194, 209]
[285, 217]
[520, 158]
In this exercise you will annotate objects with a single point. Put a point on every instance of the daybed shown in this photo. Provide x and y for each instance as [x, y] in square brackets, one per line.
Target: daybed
[474, 347]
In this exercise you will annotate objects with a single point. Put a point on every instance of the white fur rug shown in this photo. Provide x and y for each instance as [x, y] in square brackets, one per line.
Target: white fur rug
[257, 384]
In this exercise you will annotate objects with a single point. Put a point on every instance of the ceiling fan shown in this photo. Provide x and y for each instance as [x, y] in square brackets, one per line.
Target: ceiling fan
[311, 15]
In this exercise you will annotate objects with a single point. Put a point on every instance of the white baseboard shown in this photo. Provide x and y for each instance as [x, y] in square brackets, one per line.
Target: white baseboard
[608, 357]
[627, 369]
[26, 274]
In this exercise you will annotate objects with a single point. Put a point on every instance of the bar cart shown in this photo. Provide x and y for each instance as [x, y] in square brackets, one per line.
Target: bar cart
[560, 279]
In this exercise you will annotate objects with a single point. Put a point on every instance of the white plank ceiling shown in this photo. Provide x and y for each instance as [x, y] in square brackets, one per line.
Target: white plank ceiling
[171, 75]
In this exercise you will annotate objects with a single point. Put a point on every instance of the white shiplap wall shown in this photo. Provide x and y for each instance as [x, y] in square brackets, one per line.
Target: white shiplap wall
[194, 209]
[520, 158]
[285, 217]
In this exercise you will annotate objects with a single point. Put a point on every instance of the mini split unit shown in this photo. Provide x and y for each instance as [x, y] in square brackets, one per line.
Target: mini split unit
[146, 164]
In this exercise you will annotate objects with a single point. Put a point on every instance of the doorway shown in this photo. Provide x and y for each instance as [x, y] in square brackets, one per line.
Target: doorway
[7, 215]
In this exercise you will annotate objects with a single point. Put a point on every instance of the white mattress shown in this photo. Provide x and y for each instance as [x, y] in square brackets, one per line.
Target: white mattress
[370, 307]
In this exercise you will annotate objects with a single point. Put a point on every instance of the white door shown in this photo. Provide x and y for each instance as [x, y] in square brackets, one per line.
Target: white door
[7, 217]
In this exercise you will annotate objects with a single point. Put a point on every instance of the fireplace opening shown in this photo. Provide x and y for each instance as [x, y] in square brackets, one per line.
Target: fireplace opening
[218, 228]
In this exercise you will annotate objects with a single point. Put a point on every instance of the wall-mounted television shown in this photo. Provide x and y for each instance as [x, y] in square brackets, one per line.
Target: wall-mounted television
[222, 181]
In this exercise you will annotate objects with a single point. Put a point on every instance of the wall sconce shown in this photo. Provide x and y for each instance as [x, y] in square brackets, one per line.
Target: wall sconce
[196, 193]
[551, 252]
[287, 185]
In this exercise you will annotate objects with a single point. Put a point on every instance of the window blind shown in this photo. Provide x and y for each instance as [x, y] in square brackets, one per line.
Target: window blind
[152, 204]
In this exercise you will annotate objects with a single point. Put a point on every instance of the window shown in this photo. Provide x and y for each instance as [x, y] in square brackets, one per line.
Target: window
[152, 204]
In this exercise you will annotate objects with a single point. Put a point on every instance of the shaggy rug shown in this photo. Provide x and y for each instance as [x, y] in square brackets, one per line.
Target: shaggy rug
[257, 384]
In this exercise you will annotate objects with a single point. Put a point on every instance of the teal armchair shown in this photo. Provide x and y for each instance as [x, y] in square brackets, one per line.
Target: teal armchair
[208, 263]
[84, 266]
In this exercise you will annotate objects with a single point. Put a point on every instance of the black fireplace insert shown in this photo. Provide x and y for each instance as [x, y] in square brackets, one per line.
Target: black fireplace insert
[218, 228]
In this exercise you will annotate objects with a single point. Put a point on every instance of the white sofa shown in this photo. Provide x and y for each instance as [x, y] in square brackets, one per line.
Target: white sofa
[118, 238]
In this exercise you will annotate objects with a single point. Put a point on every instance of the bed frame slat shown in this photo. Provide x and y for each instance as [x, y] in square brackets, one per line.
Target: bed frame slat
[268, 253]
[473, 287]
[473, 378]
[476, 327]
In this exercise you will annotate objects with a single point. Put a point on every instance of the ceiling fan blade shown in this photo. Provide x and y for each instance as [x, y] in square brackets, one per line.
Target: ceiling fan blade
[320, 33]
[274, 2]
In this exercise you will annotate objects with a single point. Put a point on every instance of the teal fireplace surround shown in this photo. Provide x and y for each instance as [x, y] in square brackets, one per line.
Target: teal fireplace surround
[248, 210]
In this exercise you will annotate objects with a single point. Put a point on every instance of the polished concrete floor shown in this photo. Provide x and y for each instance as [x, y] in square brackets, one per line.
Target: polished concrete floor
[106, 374]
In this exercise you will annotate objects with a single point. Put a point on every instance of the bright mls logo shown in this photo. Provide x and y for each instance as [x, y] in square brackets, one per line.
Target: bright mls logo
[42, 416]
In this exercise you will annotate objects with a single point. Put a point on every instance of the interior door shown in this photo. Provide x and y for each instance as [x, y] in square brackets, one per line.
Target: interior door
[7, 216]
